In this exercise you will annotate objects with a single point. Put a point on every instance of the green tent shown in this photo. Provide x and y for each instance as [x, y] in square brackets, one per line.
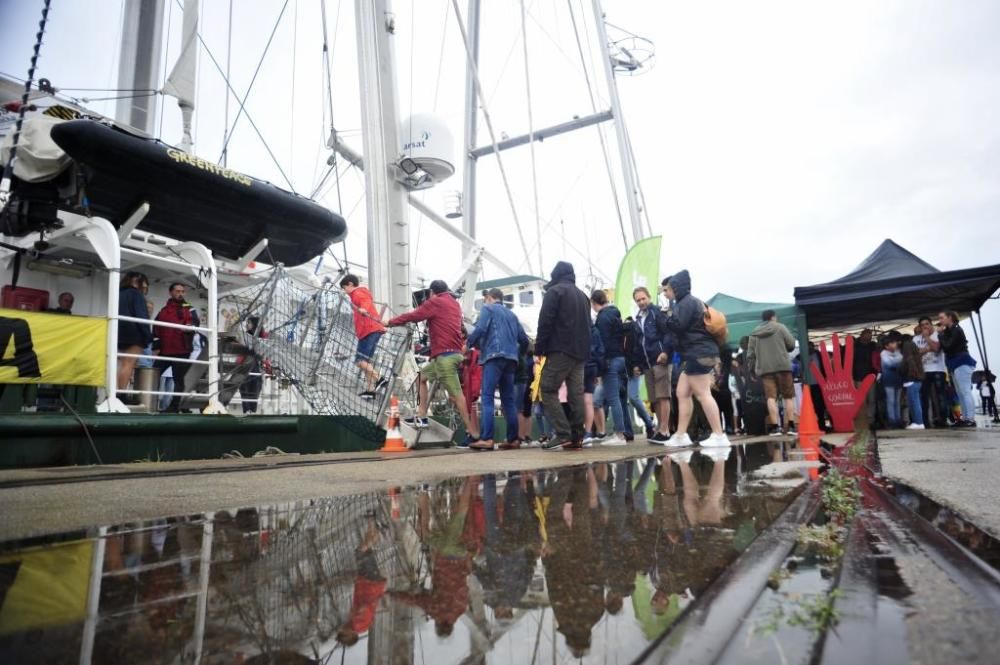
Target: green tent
[742, 316]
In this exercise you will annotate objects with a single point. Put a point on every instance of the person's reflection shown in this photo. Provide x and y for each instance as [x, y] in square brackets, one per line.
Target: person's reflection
[572, 558]
[620, 544]
[686, 556]
[369, 586]
[451, 562]
[512, 543]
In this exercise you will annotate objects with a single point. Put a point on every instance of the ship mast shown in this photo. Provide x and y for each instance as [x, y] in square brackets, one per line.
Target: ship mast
[385, 196]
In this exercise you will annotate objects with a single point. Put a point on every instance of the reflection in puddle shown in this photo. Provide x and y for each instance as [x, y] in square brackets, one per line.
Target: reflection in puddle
[591, 561]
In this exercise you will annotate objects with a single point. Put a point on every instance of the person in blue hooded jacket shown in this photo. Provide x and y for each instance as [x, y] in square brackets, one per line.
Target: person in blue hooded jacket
[500, 339]
[699, 356]
[610, 328]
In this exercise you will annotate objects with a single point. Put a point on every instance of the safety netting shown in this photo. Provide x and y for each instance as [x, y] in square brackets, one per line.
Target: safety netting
[303, 333]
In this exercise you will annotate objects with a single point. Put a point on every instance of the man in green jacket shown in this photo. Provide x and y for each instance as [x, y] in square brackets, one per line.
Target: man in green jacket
[767, 355]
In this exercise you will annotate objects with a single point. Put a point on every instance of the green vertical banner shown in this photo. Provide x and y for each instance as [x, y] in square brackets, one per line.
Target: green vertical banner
[640, 267]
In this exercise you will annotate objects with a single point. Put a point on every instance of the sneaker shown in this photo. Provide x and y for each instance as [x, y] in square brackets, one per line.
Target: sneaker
[679, 440]
[588, 440]
[615, 439]
[659, 438]
[682, 457]
[468, 441]
[555, 443]
[367, 394]
[629, 437]
[914, 426]
[481, 446]
[774, 430]
[716, 441]
[716, 454]
[572, 445]
[381, 383]
[415, 422]
[650, 432]
[600, 436]
[792, 430]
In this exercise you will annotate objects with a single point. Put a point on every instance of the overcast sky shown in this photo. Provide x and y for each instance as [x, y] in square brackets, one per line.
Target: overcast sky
[777, 143]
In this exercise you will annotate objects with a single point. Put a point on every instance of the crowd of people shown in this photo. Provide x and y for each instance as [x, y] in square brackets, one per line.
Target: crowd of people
[578, 383]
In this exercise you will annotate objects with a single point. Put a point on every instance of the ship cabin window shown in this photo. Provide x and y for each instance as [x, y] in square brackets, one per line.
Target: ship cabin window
[526, 297]
[508, 300]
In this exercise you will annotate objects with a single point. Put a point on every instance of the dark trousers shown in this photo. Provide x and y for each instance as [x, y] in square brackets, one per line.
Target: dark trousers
[724, 398]
[934, 398]
[818, 404]
[560, 367]
[990, 406]
[179, 370]
[498, 372]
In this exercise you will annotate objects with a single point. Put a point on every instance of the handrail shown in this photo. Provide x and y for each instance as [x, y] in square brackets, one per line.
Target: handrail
[164, 324]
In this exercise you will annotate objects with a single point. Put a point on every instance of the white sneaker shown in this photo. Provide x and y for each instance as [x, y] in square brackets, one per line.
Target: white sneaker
[915, 426]
[588, 440]
[716, 441]
[716, 454]
[683, 457]
[679, 440]
[615, 439]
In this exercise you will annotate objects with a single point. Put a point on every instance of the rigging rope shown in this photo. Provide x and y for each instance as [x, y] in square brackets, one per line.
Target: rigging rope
[489, 124]
[254, 79]
[531, 138]
[8, 169]
[600, 134]
[229, 59]
[243, 110]
[166, 49]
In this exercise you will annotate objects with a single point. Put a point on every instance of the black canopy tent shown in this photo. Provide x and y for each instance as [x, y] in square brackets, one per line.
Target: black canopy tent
[893, 284]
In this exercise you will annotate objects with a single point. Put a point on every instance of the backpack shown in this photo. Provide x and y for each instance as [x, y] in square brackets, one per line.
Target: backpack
[715, 324]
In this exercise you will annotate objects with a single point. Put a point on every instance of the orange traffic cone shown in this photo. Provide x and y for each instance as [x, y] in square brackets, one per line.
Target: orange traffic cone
[394, 442]
[808, 424]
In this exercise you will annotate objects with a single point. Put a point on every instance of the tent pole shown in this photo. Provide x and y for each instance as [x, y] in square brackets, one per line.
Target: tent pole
[982, 332]
[979, 345]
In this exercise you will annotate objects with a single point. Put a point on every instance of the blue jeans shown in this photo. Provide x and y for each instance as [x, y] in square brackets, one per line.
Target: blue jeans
[610, 383]
[636, 402]
[961, 376]
[892, 406]
[544, 426]
[498, 372]
[913, 400]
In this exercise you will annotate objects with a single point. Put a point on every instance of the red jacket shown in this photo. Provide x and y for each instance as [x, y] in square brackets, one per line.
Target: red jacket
[366, 596]
[175, 342]
[366, 318]
[444, 319]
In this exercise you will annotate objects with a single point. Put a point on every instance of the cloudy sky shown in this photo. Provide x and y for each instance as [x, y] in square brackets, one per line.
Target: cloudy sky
[777, 143]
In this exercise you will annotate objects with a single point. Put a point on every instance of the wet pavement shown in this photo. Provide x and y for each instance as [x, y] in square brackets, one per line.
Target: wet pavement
[957, 469]
[581, 563]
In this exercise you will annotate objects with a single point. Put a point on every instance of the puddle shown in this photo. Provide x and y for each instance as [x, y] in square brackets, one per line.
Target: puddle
[589, 562]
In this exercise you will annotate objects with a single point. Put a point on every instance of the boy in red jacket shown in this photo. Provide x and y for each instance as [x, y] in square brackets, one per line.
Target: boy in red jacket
[368, 327]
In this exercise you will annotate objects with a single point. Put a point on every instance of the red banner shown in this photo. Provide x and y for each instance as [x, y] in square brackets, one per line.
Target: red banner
[836, 382]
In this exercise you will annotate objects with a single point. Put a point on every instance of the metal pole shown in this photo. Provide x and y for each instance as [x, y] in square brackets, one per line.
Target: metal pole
[93, 596]
[139, 63]
[204, 570]
[471, 128]
[616, 108]
[385, 197]
[471, 125]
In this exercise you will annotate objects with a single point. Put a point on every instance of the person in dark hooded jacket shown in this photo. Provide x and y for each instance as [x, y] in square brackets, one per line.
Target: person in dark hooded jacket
[564, 339]
[699, 357]
[609, 326]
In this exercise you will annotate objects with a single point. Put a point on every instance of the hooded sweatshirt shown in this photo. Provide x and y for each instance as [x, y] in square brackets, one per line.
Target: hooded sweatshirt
[770, 344]
[686, 319]
[564, 320]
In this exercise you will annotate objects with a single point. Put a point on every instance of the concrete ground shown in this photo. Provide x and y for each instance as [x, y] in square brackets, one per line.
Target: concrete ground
[72, 498]
[959, 469]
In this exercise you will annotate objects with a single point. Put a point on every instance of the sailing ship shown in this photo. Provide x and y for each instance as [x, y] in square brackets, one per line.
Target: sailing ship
[116, 199]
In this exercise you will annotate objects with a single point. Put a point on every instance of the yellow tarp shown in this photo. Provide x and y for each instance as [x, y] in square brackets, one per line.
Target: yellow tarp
[52, 348]
[49, 588]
